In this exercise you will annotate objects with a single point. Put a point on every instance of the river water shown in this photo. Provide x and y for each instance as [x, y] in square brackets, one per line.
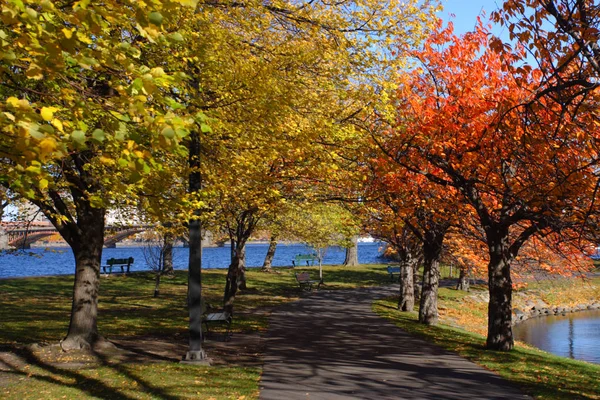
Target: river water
[575, 335]
[60, 261]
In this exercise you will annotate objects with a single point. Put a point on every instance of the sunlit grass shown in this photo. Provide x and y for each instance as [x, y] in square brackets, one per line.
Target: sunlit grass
[134, 381]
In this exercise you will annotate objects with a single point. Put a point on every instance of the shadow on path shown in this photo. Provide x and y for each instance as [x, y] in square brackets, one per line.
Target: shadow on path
[332, 346]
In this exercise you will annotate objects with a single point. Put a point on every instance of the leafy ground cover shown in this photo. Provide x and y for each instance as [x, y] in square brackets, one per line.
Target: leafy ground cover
[463, 325]
[150, 334]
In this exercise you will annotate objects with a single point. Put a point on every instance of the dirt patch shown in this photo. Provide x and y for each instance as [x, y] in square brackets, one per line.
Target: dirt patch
[242, 349]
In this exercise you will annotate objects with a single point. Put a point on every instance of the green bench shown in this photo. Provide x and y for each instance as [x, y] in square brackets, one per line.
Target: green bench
[308, 258]
[393, 270]
[117, 262]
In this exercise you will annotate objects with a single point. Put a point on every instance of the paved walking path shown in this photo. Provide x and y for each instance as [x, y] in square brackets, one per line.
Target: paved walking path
[330, 345]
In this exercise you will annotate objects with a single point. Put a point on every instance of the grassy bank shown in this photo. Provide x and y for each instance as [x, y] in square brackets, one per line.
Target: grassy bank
[36, 310]
[463, 318]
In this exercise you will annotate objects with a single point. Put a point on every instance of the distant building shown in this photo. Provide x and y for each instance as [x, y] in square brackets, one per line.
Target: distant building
[27, 213]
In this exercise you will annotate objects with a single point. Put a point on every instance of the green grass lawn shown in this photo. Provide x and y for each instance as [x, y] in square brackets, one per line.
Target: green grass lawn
[36, 310]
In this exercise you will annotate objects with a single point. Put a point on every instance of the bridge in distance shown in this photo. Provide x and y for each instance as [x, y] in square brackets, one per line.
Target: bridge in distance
[21, 236]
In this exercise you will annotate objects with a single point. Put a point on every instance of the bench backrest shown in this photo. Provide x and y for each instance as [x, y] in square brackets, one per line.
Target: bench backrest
[305, 257]
[393, 269]
[119, 261]
[303, 276]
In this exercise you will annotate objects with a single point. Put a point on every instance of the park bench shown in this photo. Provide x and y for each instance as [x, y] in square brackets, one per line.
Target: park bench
[305, 282]
[117, 262]
[218, 318]
[309, 258]
[393, 270]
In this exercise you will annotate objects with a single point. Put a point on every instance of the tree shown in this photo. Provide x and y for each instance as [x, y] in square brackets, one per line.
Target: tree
[296, 77]
[562, 38]
[321, 225]
[351, 258]
[392, 230]
[84, 108]
[409, 203]
[267, 264]
[523, 167]
[158, 246]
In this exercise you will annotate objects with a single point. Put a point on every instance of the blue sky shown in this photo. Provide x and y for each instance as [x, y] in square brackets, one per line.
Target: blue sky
[466, 12]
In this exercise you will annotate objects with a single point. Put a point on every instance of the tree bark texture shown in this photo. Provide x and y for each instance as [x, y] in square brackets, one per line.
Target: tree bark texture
[406, 300]
[195, 286]
[418, 285]
[245, 223]
[157, 284]
[267, 264]
[432, 251]
[351, 259]
[499, 335]
[236, 276]
[463, 279]
[87, 249]
[167, 261]
[195, 351]
[241, 275]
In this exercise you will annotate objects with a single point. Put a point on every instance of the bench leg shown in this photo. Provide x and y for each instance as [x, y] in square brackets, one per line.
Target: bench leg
[207, 331]
[228, 332]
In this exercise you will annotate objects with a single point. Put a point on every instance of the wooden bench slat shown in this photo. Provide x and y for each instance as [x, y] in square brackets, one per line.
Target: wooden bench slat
[304, 281]
[222, 317]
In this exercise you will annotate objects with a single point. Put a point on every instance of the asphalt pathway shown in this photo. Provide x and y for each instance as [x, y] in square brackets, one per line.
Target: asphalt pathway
[330, 345]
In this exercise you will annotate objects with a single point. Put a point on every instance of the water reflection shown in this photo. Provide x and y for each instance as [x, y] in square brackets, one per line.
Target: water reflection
[575, 335]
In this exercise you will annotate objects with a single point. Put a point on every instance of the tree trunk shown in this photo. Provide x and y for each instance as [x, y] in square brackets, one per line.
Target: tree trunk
[406, 300]
[270, 254]
[195, 352]
[463, 279]
[87, 249]
[432, 250]
[352, 254]
[499, 335]
[241, 276]
[236, 276]
[418, 285]
[167, 260]
[157, 283]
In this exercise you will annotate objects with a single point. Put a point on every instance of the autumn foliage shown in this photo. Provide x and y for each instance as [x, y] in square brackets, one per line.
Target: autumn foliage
[470, 120]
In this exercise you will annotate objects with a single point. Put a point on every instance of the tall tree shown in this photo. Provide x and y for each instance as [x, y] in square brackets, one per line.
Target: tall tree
[83, 110]
[523, 167]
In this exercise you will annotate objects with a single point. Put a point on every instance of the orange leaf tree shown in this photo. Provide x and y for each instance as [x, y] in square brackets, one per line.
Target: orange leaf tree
[466, 120]
[411, 210]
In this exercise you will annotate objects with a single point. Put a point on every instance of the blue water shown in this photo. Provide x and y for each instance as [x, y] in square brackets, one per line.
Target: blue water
[575, 335]
[60, 261]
